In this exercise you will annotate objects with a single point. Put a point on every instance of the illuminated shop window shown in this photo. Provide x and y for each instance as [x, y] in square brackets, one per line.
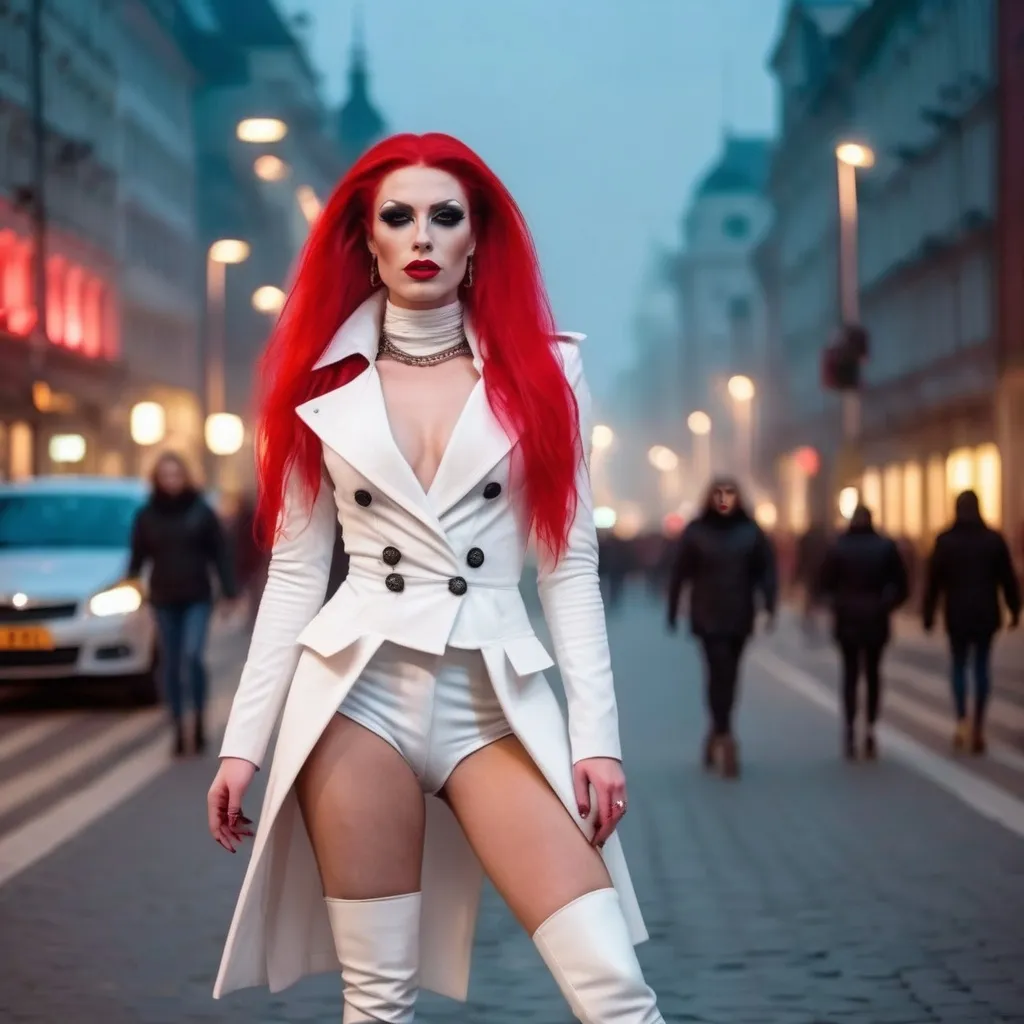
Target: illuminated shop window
[892, 500]
[959, 473]
[871, 492]
[74, 283]
[938, 496]
[55, 269]
[988, 483]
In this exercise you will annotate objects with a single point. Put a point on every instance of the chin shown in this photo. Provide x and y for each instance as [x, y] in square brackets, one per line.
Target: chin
[421, 293]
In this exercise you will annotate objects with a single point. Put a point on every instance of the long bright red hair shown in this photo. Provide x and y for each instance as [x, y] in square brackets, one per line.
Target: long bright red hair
[507, 305]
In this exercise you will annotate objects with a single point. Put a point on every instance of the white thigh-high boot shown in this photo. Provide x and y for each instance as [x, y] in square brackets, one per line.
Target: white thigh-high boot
[587, 948]
[378, 945]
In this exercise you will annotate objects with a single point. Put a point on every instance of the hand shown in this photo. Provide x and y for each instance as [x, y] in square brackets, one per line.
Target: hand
[228, 824]
[609, 782]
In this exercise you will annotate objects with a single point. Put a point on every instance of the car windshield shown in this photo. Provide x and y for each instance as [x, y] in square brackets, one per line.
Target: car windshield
[66, 520]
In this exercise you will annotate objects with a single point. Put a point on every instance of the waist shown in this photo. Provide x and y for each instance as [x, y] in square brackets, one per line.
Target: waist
[398, 579]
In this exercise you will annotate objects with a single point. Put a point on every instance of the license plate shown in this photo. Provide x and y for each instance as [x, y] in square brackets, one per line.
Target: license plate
[25, 638]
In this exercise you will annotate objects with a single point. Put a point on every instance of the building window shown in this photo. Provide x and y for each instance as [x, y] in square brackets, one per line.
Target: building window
[736, 226]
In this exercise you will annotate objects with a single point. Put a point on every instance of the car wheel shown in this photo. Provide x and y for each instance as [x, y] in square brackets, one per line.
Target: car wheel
[144, 689]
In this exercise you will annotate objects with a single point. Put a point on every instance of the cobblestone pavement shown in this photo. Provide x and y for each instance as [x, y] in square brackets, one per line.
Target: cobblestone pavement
[810, 891]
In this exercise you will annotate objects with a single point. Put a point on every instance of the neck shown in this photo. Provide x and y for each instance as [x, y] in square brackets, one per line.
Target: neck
[424, 332]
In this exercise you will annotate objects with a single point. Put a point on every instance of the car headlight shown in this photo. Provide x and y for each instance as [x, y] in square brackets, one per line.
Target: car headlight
[120, 600]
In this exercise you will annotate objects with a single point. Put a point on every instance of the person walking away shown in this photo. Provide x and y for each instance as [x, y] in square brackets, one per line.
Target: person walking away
[810, 555]
[864, 579]
[179, 538]
[968, 568]
[726, 559]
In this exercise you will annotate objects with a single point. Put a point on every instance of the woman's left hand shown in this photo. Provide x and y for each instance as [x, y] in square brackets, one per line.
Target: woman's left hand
[608, 780]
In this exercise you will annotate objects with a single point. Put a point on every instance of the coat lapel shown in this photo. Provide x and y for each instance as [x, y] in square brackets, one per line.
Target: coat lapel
[352, 420]
[478, 443]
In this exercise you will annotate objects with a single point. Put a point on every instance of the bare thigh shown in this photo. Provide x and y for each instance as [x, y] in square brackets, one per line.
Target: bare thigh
[364, 813]
[532, 850]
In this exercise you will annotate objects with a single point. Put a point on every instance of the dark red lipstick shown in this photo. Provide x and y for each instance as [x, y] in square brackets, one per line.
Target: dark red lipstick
[422, 270]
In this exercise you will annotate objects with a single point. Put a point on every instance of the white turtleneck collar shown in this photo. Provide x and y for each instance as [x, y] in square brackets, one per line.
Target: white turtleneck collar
[424, 332]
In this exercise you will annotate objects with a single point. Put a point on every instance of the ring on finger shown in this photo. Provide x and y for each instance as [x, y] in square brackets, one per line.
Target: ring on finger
[620, 806]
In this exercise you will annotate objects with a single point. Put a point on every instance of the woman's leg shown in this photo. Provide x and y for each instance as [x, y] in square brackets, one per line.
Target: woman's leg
[731, 654]
[170, 628]
[982, 687]
[363, 810]
[958, 648]
[195, 628]
[553, 880]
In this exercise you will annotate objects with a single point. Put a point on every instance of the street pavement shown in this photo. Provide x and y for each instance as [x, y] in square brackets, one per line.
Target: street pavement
[809, 891]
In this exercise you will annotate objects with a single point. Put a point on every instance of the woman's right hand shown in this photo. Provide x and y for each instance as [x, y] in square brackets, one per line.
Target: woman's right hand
[228, 824]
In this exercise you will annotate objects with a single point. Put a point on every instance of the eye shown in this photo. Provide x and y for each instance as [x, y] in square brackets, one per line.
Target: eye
[449, 216]
[395, 217]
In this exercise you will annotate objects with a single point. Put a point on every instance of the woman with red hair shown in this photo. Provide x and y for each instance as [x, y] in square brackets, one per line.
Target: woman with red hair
[415, 390]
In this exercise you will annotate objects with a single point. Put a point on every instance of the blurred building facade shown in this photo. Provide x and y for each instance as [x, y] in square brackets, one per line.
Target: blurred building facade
[721, 308]
[60, 373]
[161, 304]
[918, 84]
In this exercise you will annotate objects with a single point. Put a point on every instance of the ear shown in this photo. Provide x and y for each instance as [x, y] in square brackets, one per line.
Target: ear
[371, 245]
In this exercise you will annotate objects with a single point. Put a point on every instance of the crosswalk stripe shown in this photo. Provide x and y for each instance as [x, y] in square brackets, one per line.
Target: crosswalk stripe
[40, 836]
[26, 786]
[32, 735]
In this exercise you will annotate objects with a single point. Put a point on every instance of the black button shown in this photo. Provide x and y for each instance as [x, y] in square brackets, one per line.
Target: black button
[458, 586]
[474, 558]
[363, 498]
[391, 555]
[492, 490]
[394, 582]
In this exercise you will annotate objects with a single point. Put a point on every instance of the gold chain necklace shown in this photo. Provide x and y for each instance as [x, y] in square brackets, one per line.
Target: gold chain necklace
[387, 349]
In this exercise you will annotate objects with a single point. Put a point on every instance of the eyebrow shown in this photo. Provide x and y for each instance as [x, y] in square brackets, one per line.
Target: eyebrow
[434, 208]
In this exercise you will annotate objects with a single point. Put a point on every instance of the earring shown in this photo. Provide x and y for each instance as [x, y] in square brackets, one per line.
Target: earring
[374, 275]
[468, 279]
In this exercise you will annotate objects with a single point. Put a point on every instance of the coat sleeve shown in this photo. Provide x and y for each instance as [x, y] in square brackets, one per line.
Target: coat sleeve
[1008, 580]
[767, 576]
[296, 584]
[570, 595]
[934, 585]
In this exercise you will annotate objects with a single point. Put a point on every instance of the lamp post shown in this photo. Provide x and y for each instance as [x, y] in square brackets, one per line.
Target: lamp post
[602, 437]
[221, 253]
[742, 392]
[849, 157]
[700, 426]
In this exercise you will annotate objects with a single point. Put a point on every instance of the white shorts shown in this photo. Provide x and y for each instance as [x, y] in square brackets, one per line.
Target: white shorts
[434, 709]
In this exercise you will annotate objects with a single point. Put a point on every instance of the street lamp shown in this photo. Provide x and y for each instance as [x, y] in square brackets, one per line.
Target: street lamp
[700, 426]
[261, 129]
[148, 423]
[742, 392]
[224, 433]
[602, 437]
[221, 253]
[268, 299]
[270, 168]
[850, 156]
[663, 459]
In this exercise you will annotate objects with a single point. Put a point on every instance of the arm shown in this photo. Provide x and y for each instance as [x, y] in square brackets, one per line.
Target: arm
[767, 577]
[680, 573]
[220, 555]
[296, 582]
[933, 586]
[570, 596]
[897, 588]
[140, 553]
[1008, 581]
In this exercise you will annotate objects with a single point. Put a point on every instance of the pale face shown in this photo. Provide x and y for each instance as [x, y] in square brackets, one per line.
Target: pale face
[725, 498]
[422, 237]
[170, 477]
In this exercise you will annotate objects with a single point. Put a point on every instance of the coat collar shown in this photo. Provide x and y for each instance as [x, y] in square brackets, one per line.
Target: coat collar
[360, 334]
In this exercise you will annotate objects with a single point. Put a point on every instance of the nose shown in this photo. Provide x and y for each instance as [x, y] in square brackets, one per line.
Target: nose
[423, 242]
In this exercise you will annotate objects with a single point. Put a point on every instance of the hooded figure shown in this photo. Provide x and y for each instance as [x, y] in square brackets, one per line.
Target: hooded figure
[969, 567]
[864, 579]
[726, 559]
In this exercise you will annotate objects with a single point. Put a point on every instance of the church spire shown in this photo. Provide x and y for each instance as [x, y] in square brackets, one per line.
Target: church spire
[360, 125]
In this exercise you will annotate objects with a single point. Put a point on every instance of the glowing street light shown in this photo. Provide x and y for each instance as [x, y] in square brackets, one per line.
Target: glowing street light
[849, 498]
[261, 129]
[148, 423]
[855, 155]
[224, 432]
[741, 389]
[309, 203]
[602, 437]
[229, 250]
[270, 168]
[67, 448]
[268, 299]
[699, 423]
[662, 459]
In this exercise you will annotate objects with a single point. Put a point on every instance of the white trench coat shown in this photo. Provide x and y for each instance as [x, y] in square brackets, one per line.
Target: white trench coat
[306, 658]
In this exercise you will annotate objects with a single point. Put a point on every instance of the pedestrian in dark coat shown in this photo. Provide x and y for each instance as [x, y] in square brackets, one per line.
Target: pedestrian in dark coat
[727, 561]
[179, 538]
[968, 569]
[864, 579]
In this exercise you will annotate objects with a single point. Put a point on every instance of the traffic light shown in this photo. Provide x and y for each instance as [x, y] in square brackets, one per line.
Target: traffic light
[841, 361]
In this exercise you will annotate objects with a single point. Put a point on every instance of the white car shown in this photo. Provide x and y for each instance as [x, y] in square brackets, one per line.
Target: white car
[66, 609]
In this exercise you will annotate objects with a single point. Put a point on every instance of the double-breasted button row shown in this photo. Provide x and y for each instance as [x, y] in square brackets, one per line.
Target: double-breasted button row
[474, 558]
[391, 555]
[395, 582]
[458, 586]
[363, 498]
[492, 490]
